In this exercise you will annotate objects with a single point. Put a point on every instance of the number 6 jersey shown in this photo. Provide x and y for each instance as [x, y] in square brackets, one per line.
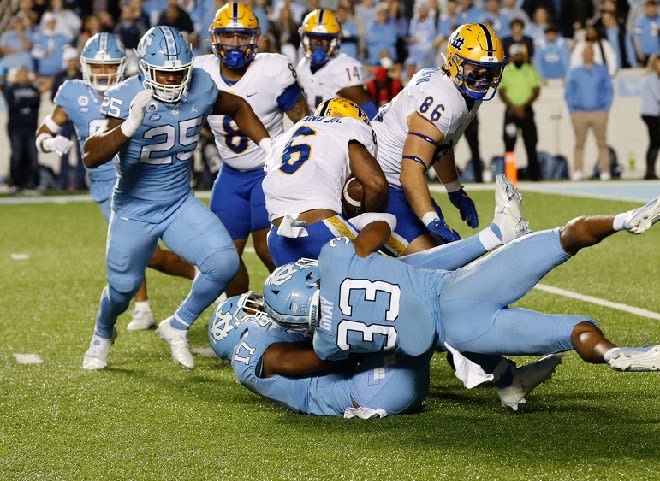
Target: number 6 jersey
[433, 95]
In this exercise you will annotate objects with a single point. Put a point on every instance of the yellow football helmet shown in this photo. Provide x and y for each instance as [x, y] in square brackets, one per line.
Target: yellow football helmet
[477, 47]
[341, 107]
[234, 33]
[320, 36]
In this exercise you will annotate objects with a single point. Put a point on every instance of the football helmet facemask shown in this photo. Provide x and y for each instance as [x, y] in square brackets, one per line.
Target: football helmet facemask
[103, 50]
[234, 34]
[320, 36]
[164, 51]
[291, 295]
[475, 60]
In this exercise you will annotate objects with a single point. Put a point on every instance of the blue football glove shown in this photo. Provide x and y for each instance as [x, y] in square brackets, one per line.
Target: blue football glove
[464, 204]
[442, 232]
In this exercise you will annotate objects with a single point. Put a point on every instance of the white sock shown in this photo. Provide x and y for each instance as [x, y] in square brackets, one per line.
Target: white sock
[489, 239]
[619, 219]
[142, 306]
[609, 353]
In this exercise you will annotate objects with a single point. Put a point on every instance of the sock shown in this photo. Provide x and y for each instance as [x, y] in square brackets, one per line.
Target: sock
[179, 324]
[141, 306]
[619, 219]
[491, 237]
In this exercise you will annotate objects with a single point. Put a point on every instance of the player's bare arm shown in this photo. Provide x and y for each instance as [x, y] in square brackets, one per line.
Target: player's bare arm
[239, 110]
[102, 146]
[292, 360]
[58, 116]
[356, 93]
[47, 136]
[299, 110]
[445, 167]
[417, 156]
[367, 170]
[372, 237]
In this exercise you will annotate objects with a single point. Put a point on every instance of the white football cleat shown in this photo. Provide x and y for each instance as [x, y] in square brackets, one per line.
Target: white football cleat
[508, 217]
[143, 319]
[96, 357]
[178, 341]
[641, 219]
[526, 378]
[634, 358]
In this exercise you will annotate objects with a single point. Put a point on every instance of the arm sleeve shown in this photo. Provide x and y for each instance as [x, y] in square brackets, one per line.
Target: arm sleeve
[289, 97]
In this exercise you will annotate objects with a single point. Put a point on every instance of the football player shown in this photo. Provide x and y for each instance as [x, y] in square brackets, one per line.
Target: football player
[306, 171]
[152, 130]
[419, 128]
[371, 303]
[324, 72]
[102, 62]
[268, 82]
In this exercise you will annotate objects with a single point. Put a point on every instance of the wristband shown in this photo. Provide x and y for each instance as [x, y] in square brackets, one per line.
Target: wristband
[430, 217]
[361, 221]
[52, 126]
[129, 127]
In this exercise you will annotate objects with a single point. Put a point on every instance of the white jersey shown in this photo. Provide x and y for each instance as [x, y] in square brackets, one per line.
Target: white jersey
[433, 95]
[267, 76]
[308, 164]
[337, 74]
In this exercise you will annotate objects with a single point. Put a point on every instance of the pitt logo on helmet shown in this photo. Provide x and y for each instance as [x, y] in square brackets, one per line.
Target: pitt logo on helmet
[234, 34]
[320, 36]
[475, 60]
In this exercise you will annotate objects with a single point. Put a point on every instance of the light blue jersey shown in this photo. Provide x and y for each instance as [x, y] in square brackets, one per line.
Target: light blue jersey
[390, 381]
[374, 303]
[83, 107]
[155, 166]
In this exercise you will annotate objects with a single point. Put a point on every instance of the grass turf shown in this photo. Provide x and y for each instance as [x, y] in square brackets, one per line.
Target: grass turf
[145, 418]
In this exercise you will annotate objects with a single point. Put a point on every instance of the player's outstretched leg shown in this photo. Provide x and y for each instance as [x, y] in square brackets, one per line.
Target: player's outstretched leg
[508, 220]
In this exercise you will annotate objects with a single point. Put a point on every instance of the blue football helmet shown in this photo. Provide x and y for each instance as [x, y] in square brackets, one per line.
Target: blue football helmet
[291, 295]
[235, 21]
[225, 327]
[164, 50]
[102, 50]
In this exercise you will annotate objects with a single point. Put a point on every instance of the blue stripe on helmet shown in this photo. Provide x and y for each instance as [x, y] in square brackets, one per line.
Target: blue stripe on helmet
[235, 11]
[321, 13]
[489, 40]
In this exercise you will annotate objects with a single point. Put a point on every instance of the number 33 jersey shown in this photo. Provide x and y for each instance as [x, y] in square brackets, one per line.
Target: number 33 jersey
[374, 303]
[432, 94]
[308, 164]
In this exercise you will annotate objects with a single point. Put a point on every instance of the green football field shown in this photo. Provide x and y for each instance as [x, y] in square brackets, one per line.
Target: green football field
[144, 418]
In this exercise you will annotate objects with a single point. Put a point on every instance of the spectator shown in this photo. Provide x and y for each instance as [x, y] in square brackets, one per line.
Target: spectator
[410, 68]
[296, 10]
[517, 27]
[447, 23]
[615, 33]
[603, 53]
[22, 97]
[28, 11]
[396, 17]
[383, 87]
[589, 97]
[365, 12]
[90, 27]
[153, 9]
[130, 27]
[536, 28]
[519, 89]
[552, 55]
[511, 10]
[350, 32]
[47, 47]
[16, 45]
[499, 21]
[381, 36]
[530, 7]
[468, 13]
[422, 32]
[645, 32]
[651, 114]
[574, 15]
[177, 17]
[66, 21]
[287, 37]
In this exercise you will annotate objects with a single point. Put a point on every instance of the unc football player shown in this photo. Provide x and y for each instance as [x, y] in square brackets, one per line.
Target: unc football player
[306, 171]
[102, 62]
[419, 128]
[151, 130]
[325, 72]
[268, 82]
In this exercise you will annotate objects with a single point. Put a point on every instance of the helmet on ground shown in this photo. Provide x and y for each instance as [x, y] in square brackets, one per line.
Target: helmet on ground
[291, 295]
[320, 36]
[341, 107]
[475, 60]
[102, 50]
[164, 51]
[225, 327]
[234, 34]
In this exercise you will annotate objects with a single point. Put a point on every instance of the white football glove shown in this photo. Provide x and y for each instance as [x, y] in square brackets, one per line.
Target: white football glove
[136, 113]
[266, 144]
[60, 145]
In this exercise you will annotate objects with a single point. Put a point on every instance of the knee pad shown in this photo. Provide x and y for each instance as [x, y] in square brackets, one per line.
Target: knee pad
[222, 264]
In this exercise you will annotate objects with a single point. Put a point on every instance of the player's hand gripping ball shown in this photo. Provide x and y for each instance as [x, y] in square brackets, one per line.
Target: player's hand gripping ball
[352, 198]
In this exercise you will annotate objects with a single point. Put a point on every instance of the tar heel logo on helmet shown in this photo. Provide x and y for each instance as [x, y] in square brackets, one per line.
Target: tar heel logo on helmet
[286, 272]
[221, 325]
[146, 41]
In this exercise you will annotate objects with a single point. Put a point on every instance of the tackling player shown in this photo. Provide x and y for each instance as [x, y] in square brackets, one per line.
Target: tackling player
[152, 130]
[419, 128]
[325, 72]
[102, 63]
[268, 82]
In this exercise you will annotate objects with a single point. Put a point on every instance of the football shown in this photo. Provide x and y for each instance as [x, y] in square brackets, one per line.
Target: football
[352, 198]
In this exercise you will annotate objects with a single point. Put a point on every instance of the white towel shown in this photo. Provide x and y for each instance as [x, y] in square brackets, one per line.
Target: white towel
[364, 413]
[292, 228]
[470, 373]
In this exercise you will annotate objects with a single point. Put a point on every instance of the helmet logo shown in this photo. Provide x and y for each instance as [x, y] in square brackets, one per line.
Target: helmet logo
[457, 42]
[142, 47]
[222, 325]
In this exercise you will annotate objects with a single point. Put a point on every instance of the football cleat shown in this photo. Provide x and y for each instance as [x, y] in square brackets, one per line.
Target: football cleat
[526, 378]
[178, 341]
[508, 217]
[96, 357]
[640, 220]
[634, 358]
[143, 319]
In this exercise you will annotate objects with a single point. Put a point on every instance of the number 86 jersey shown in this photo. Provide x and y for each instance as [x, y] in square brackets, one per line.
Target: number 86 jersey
[375, 303]
[432, 94]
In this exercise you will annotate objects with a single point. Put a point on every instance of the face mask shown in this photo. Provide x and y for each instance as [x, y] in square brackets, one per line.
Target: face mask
[518, 64]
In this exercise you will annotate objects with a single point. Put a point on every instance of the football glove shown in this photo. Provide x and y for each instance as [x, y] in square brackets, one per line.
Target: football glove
[441, 231]
[60, 145]
[136, 113]
[466, 206]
